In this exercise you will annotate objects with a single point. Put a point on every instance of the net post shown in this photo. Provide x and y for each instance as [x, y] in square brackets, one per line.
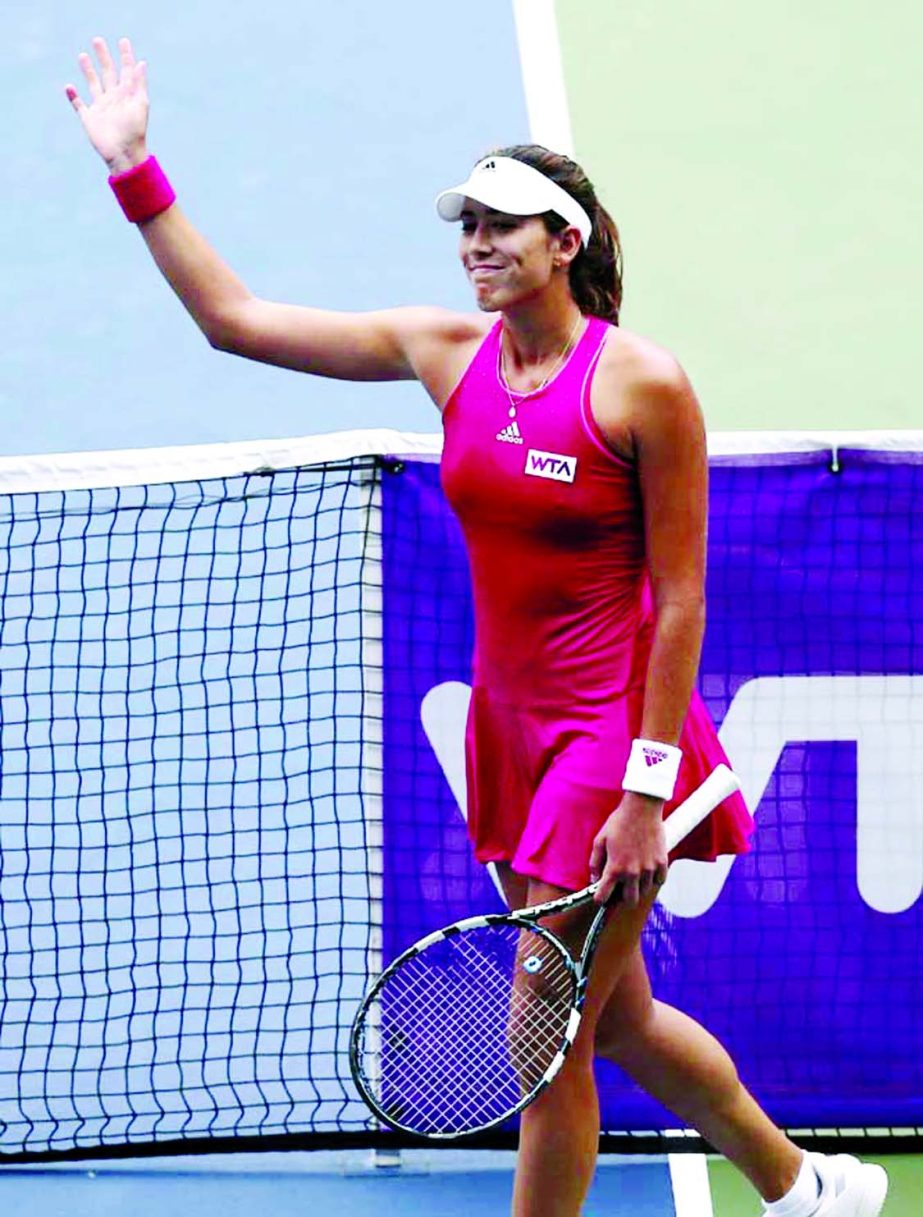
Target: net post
[386, 1159]
[372, 764]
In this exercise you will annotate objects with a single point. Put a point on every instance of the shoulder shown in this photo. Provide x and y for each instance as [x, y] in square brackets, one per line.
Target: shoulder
[440, 344]
[637, 367]
[426, 323]
[641, 394]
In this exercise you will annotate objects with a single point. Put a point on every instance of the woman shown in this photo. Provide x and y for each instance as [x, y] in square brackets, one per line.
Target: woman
[575, 459]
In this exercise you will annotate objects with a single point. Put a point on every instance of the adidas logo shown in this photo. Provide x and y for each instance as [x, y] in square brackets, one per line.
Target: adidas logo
[510, 434]
[653, 756]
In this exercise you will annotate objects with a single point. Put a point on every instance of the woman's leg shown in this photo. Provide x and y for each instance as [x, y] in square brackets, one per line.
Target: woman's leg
[681, 1065]
[559, 1132]
[685, 1068]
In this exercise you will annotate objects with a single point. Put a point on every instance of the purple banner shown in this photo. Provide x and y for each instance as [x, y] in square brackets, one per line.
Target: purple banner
[805, 957]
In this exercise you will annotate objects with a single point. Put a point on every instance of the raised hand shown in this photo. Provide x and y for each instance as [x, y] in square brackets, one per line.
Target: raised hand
[116, 118]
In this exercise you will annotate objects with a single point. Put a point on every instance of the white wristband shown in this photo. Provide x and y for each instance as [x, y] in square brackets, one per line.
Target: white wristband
[652, 768]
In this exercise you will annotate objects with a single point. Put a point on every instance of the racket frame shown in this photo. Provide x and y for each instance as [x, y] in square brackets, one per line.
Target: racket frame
[523, 919]
[718, 786]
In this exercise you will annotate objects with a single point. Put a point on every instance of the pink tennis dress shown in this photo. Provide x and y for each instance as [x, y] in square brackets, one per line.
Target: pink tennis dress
[553, 525]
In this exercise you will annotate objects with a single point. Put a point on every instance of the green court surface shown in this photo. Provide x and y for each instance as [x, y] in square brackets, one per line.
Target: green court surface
[732, 1195]
[759, 164]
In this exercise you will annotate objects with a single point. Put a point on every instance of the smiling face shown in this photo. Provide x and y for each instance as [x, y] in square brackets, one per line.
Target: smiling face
[508, 258]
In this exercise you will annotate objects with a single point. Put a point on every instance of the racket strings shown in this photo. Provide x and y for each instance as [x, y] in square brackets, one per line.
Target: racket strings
[533, 1036]
[462, 1032]
[444, 1101]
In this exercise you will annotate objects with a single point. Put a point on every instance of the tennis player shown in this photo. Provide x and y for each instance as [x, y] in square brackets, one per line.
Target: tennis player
[575, 461]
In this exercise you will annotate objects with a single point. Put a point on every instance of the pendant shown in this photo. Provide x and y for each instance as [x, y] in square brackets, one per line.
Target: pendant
[512, 411]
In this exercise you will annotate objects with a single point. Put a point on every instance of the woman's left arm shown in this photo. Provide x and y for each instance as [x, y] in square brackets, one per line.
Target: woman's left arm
[669, 440]
[656, 418]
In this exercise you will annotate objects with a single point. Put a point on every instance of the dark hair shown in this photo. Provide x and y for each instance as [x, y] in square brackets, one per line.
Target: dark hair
[596, 272]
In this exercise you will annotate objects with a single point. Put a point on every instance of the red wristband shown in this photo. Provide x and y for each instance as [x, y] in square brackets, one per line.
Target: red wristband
[143, 191]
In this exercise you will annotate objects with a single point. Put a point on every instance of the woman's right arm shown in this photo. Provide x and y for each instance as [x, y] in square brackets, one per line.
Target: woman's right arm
[391, 344]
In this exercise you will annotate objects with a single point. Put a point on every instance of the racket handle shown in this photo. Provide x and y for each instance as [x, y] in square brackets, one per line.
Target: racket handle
[720, 783]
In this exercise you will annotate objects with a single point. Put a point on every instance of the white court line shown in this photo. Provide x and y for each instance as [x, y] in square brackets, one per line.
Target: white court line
[543, 75]
[689, 1180]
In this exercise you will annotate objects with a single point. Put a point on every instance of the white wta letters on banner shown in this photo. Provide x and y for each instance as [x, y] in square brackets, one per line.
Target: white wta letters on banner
[883, 715]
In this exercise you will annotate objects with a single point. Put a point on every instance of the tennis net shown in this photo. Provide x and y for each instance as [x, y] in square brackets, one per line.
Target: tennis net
[232, 684]
[191, 774]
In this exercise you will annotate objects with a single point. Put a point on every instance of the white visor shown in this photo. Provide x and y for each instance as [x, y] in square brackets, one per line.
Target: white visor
[513, 187]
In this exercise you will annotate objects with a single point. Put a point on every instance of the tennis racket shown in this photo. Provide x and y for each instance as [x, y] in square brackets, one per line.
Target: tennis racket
[469, 1025]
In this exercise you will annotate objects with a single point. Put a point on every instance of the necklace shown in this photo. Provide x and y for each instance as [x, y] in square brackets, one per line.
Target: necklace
[516, 398]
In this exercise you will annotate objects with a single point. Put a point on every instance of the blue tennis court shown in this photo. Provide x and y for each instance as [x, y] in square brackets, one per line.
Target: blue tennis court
[445, 1184]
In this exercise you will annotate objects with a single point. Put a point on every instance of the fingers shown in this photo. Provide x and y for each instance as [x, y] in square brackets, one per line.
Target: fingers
[614, 884]
[628, 889]
[597, 859]
[126, 54]
[630, 892]
[89, 73]
[134, 73]
[109, 76]
[630, 857]
[618, 889]
[607, 889]
[70, 92]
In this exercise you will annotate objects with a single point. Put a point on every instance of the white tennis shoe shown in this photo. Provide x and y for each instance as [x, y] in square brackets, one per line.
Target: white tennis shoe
[849, 1188]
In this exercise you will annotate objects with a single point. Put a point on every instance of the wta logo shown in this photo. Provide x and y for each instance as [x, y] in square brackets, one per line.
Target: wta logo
[881, 715]
[553, 465]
